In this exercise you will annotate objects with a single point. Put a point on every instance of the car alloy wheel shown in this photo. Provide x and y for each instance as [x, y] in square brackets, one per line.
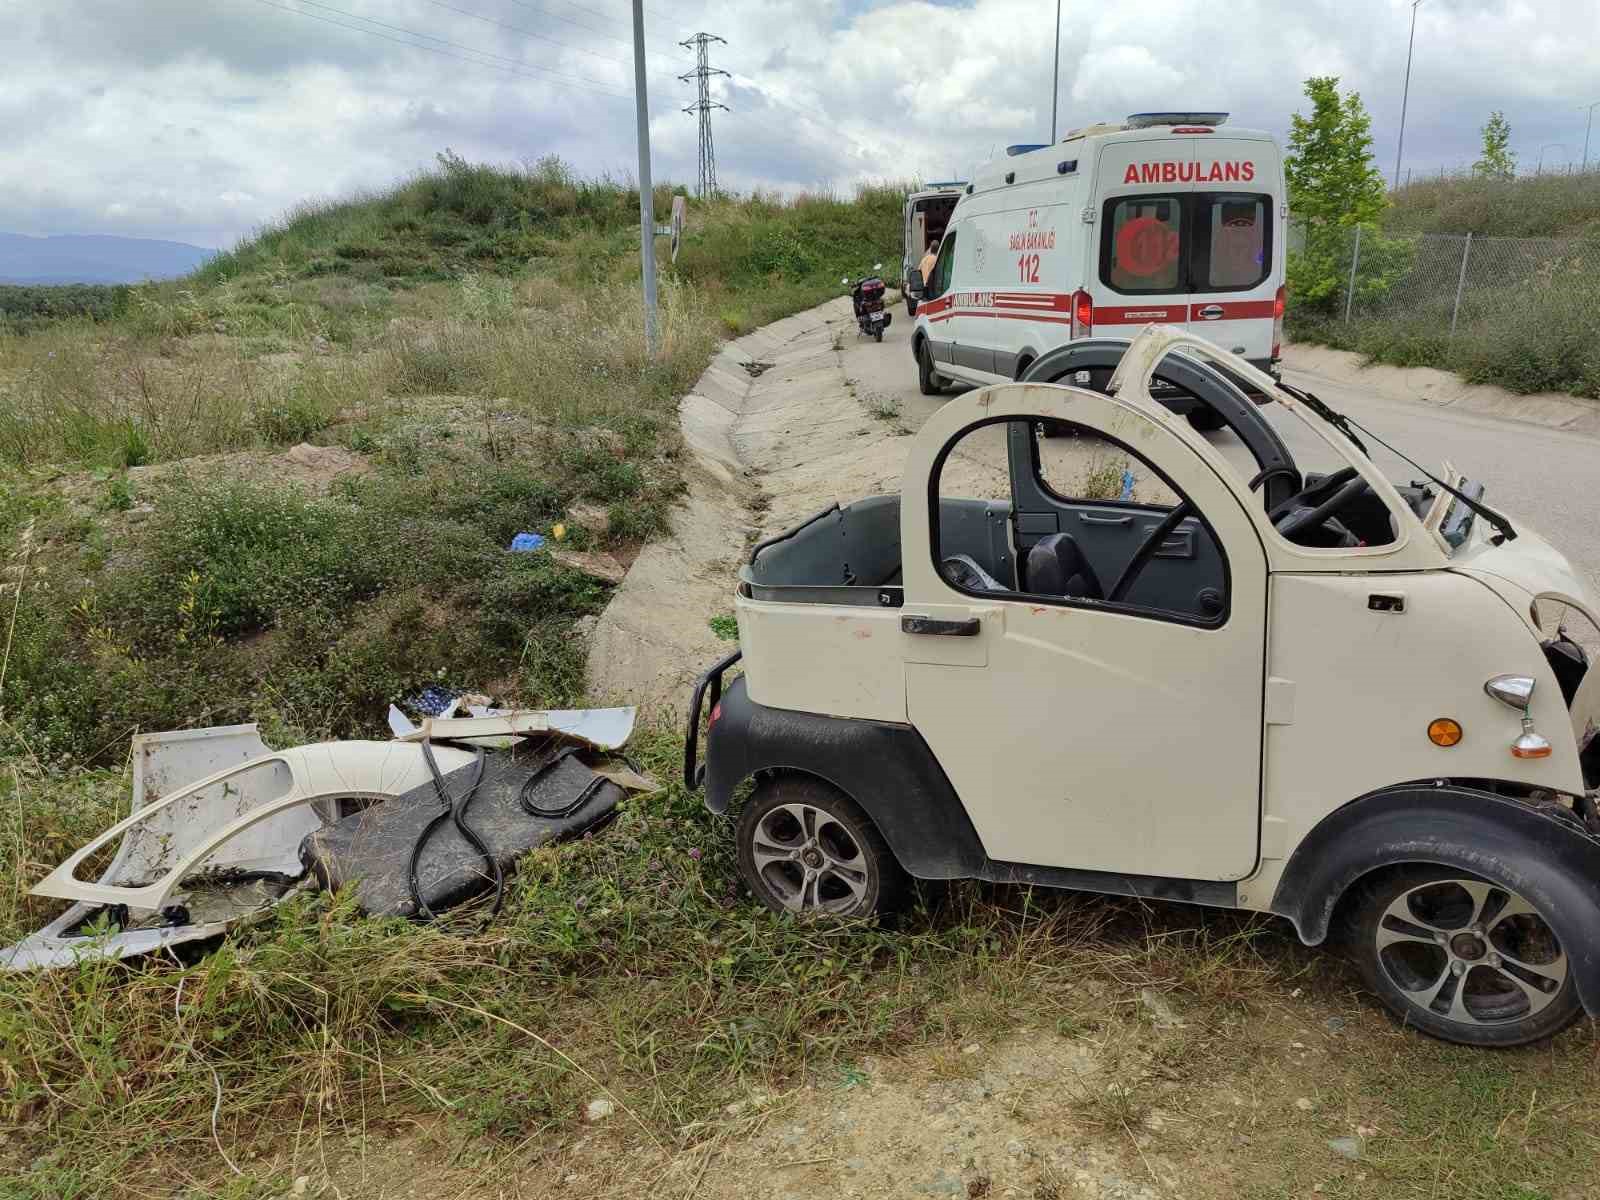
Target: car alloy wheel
[1466, 959]
[806, 848]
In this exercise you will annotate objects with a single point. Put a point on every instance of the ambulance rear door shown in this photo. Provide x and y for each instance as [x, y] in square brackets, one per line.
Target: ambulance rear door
[1234, 243]
[1136, 261]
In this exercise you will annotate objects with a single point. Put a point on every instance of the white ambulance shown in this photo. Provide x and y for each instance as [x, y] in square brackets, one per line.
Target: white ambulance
[1168, 218]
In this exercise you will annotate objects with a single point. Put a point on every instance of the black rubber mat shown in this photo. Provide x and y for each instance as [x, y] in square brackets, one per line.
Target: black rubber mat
[370, 850]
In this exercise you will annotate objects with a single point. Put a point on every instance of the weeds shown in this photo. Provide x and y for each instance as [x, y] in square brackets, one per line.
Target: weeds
[624, 965]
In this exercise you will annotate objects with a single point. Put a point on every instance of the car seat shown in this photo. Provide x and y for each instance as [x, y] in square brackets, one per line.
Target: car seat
[1057, 567]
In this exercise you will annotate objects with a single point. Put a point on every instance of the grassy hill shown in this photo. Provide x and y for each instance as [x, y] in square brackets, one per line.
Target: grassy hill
[1527, 206]
[470, 344]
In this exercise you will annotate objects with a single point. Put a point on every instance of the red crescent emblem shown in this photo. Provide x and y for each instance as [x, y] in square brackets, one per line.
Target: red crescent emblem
[1145, 246]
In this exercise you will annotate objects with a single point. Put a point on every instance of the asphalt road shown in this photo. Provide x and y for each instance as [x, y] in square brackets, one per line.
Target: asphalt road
[1546, 479]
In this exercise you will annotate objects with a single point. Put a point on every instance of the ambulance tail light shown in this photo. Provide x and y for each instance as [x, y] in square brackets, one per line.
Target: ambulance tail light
[1278, 303]
[1082, 313]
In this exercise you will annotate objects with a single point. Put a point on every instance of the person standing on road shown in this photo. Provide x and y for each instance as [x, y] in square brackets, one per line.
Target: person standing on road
[928, 259]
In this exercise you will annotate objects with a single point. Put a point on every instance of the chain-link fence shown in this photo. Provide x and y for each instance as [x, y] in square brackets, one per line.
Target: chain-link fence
[1454, 284]
[1522, 313]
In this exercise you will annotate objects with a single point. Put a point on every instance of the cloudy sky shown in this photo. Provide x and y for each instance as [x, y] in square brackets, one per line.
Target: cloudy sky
[198, 120]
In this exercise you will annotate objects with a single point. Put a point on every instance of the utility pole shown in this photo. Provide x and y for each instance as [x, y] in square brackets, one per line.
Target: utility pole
[702, 73]
[647, 205]
[1405, 96]
[1586, 130]
[1055, 76]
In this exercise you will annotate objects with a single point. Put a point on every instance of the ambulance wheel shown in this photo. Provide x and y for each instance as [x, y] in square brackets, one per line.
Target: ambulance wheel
[1205, 419]
[1462, 959]
[927, 380]
[807, 848]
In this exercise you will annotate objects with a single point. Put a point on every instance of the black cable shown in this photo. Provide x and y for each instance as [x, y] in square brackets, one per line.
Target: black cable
[456, 812]
[1338, 420]
[1344, 423]
[556, 812]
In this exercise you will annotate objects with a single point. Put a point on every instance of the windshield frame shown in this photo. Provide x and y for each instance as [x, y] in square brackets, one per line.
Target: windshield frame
[1412, 547]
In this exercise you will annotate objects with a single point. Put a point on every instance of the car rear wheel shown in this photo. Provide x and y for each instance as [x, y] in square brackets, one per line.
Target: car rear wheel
[1463, 959]
[807, 848]
[927, 379]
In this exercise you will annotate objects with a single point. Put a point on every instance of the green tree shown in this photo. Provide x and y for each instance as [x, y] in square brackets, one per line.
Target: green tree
[1498, 161]
[1334, 186]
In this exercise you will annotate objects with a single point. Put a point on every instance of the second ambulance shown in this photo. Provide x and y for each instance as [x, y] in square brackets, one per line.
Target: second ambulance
[1168, 218]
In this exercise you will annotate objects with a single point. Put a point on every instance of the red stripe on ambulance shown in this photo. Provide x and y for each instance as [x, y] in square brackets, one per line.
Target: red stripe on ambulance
[1140, 316]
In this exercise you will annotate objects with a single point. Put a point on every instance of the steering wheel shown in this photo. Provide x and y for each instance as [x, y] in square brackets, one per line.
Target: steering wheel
[1318, 506]
[1147, 548]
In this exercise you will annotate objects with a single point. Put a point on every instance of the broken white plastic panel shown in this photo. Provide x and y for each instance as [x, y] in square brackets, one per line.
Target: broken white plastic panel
[203, 823]
[163, 763]
[602, 728]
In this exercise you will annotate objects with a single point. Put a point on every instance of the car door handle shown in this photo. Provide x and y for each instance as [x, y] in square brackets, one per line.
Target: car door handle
[1088, 519]
[934, 627]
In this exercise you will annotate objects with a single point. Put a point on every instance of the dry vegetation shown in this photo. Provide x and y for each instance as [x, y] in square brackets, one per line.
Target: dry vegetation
[470, 345]
[1527, 318]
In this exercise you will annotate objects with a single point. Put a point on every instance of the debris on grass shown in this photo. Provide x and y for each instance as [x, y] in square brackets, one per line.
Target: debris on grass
[223, 829]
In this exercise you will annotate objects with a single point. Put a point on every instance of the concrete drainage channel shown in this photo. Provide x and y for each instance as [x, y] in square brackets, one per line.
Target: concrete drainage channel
[774, 432]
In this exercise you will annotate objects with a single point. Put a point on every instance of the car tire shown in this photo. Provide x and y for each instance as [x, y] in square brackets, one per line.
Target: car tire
[806, 848]
[911, 306]
[927, 378]
[1204, 419]
[1461, 958]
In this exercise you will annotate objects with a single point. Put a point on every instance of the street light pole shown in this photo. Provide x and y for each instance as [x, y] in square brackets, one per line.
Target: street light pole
[1405, 96]
[1586, 130]
[647, 206]
[1055, 77]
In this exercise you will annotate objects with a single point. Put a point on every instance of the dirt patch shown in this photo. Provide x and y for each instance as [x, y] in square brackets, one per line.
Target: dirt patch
[310, 468]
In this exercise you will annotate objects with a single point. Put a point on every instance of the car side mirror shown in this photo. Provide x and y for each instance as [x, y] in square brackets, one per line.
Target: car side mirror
[915, 283]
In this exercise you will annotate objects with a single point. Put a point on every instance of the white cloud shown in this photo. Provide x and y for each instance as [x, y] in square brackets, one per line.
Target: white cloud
[200, 121]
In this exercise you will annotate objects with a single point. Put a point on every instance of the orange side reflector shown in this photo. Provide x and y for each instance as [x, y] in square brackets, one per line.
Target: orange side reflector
[1444, 731]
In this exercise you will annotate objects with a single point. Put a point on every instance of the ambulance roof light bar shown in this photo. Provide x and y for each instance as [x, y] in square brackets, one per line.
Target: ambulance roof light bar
[1149, 120]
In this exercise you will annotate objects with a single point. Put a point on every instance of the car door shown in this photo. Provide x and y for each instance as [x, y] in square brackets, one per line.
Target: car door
[938, 304]
[1232, 287]
[1091, 734]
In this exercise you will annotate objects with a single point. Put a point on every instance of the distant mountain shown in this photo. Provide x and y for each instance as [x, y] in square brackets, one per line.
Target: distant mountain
[94, 258]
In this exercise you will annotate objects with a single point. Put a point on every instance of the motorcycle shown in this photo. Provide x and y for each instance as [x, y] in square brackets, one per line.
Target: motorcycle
[866, 296]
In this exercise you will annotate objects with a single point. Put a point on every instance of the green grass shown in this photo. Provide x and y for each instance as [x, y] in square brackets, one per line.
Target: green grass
[473, 333]
[473, 338]
[633, 961]
[1529, 206]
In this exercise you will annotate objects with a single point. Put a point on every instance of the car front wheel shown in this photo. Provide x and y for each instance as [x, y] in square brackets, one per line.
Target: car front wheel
[807, 848]
[1463, 959]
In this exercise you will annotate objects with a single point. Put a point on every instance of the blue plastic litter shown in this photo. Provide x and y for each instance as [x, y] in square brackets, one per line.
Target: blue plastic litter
[432, 700]
[1127, 485]
[524, 542]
